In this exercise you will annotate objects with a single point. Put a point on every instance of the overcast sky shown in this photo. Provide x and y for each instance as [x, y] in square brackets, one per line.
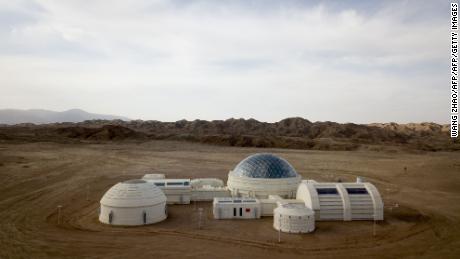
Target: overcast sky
[343, 61]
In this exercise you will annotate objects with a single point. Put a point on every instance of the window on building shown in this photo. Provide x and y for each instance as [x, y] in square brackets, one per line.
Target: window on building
[324, 191]
[175, 183]
[357, 191]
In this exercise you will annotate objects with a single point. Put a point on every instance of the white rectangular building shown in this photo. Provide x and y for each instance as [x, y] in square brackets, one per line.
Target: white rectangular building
[177, 191]
[208, 193]
[236, 208]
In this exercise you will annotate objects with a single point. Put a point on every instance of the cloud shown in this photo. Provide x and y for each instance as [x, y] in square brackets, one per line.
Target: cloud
[169, 60]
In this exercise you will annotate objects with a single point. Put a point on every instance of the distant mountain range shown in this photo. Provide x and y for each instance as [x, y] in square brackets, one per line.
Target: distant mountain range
[297, 133]
[38, 116]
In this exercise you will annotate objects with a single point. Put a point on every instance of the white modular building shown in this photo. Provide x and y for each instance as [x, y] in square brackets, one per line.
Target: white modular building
[273, 201]
[269, 205]
[293, 218]
[199, 183]
[342, 201]
[261, 175]
[206, 189]
[208, 193]
[236, 208]
[177, 191]
[133, 202]
[183, 191]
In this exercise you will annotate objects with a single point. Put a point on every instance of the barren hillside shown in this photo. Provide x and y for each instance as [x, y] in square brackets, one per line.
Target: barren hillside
[295, 133]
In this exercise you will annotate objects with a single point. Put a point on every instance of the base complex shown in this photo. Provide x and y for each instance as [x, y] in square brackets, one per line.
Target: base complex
[260, 185]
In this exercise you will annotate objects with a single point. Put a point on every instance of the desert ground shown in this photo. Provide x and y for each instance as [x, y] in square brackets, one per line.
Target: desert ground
[421, 191]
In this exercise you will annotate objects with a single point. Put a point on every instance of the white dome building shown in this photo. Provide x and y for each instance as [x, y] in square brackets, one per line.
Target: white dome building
[294, 218]
[132, 203]
[261, 175]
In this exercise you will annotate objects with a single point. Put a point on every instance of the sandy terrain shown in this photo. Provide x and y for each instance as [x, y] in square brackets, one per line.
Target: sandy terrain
[37, 177]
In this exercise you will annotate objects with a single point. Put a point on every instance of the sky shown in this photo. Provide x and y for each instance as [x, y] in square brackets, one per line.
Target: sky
[343, 61]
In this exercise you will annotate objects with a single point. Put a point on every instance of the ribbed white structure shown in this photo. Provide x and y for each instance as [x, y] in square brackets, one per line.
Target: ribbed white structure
[133, 202]
[342, 201]
[294, 218]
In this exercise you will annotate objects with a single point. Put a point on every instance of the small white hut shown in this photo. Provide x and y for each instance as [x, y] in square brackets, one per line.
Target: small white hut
[133, 202]
[294, 218]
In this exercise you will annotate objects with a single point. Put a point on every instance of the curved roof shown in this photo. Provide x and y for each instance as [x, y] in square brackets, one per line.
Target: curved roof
[133, 193]
[264, 166]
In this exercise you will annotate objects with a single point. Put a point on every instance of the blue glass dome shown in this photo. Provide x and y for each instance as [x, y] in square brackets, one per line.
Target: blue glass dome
[264, 166]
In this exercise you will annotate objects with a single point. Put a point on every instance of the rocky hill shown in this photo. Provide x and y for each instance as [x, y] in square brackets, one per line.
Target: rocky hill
[288, 133]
